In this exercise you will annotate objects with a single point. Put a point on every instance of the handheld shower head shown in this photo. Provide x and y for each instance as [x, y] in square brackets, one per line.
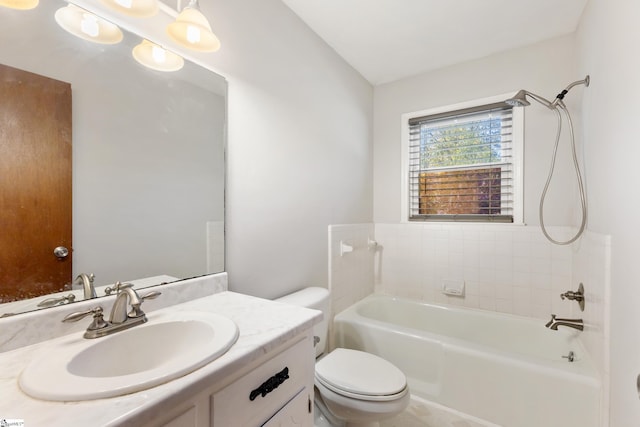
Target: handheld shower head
[519, 100]
[557, 106]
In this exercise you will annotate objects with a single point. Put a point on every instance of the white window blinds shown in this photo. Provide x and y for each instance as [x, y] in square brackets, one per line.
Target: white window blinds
[461, 165]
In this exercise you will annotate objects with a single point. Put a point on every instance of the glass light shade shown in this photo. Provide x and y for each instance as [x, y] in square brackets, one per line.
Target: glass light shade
[157, 58]
[87, 26]
[136, 8]
[192, 30]
[19, 4]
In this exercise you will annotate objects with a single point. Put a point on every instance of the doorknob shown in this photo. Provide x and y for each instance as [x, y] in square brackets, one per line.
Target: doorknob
[61, 252]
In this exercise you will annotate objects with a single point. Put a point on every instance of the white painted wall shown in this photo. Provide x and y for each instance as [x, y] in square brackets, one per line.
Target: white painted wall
[299, 146]
[545, 68]
[607, 40]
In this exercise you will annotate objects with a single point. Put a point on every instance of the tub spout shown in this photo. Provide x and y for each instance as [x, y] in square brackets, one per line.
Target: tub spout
[571, 323]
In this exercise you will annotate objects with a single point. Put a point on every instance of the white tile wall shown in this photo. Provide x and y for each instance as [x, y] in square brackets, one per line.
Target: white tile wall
[506, 268]
[350, 275]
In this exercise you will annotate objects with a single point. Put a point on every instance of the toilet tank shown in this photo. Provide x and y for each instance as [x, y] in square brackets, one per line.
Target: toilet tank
[318, 299]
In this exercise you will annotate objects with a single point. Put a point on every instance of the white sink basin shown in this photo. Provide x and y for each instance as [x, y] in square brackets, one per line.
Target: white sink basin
[170, 345]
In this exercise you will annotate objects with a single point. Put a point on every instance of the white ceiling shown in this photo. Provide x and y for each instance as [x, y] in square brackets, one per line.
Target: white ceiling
[387, 40]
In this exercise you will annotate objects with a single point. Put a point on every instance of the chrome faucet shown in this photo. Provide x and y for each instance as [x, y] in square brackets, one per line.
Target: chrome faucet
[119, 319]
[126, 294]
[571, 323]
[87, 285]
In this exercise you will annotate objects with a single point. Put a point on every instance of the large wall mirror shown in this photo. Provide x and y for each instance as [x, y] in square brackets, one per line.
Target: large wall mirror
[147, 159]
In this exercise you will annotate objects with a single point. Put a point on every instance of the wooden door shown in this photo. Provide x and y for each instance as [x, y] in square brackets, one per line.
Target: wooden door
[35, 184]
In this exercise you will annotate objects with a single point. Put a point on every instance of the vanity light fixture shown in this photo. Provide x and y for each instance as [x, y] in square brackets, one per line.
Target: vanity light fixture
[156, 57]
[19, 4]
[135, 8]
[87, 26]
[192, 30]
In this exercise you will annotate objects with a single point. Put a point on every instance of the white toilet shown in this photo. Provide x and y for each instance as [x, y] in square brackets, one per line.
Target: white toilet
[353, 388]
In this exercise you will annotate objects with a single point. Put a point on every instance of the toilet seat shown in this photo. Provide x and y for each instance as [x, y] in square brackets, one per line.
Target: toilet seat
[360, 375]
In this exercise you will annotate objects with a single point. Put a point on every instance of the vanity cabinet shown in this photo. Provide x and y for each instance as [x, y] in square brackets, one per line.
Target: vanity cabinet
[275, 390]
[274, 354]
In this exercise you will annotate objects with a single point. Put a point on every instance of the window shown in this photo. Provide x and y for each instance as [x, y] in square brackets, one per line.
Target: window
[463, 163]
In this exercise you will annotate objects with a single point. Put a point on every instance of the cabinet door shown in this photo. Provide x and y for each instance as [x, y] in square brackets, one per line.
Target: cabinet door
[297, 413]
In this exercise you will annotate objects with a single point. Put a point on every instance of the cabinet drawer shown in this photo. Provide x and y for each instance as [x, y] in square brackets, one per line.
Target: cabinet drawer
[243, 403]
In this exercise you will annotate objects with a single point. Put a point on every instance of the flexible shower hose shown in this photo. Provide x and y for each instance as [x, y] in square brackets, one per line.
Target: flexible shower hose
[583, 199]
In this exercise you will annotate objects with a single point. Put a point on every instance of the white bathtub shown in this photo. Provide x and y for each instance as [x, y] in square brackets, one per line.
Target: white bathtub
[505, 369]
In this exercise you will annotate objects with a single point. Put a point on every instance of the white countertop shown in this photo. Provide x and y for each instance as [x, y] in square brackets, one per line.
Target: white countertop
[263, 326]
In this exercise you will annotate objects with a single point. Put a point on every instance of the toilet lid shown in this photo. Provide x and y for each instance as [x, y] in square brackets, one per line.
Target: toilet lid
[360, 373]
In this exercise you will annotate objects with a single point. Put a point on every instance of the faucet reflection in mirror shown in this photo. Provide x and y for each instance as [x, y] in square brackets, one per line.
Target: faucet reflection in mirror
[86, 280]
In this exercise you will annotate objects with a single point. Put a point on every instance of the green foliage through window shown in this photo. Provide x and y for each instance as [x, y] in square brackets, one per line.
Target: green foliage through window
[464, 144]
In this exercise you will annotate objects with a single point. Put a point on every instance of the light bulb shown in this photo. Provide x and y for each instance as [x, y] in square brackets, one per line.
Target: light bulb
[156, 57]
[159, 54]
[192, 30]
[89, 25]
[193, 34]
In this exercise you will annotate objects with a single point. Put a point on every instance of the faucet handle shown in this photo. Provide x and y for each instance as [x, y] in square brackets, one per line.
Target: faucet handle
[151, 295]
[117, 287]
[577, 296]
[136, 311]
[50, 302]
[98, 319]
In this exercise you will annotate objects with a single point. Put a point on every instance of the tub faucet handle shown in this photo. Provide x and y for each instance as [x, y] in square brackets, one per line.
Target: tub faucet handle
[575, 296]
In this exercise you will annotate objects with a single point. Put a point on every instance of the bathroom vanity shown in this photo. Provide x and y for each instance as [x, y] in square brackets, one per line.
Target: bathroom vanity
[265, 378]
